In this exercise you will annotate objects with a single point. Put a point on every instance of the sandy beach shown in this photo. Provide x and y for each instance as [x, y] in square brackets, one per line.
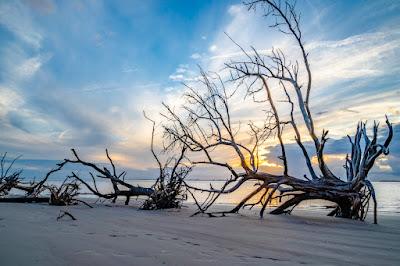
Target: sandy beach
[120, 235]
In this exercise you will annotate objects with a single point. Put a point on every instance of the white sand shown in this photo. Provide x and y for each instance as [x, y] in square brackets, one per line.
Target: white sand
[30, 235]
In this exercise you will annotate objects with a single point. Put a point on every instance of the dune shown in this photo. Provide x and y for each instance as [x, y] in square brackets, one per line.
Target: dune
[123, 235]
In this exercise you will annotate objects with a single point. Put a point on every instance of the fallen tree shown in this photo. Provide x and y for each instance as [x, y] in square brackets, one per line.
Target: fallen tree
[68, 192]
[167, 191]
[117, 180]
[65, 194]
[9, 178]
[207, 124]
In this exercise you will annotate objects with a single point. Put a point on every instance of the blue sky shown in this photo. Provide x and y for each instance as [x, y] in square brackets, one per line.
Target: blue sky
[79, 73]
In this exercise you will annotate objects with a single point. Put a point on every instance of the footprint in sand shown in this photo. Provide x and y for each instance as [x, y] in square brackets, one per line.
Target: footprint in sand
[267, 258]
[115, 235]
[191, 243]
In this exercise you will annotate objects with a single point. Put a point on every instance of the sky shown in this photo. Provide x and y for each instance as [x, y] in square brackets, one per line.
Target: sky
[79, 74]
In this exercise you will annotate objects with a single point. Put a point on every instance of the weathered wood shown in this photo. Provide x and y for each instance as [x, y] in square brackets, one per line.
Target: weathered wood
[206, 124]
[169, 191]
[116, 180]
[25, 200]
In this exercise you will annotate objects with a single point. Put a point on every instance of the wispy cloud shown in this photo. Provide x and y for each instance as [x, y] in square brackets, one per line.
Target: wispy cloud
[129, 69]
[358, 56]
[30, 66]
[9, 100]
[16, 18]
[195, 56]
[184, 74]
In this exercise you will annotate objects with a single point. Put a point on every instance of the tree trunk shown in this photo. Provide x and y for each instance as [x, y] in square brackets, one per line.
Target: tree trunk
[25, 200]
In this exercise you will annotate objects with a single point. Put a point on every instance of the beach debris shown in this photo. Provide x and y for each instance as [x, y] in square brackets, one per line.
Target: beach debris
[65, 213]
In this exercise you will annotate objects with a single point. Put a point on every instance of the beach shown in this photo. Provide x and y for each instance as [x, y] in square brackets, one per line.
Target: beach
[124, 235]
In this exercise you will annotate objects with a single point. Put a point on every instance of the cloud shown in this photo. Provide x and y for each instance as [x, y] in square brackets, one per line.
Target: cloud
[195, 56]
[100, 88]
[176, 77]
[184, 73]
[170, 89]
[181, 70]
[10, 99]
[332, 61]
[30, 66]
[129, 69]
[358, 56]
[213, 48]
[15, 17]
[235, 10]
[27, 121]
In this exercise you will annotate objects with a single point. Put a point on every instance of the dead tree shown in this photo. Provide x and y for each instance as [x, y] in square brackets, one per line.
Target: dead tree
[205, 124]
[259, 71]
[9, 178]
[120, 187]
[65, 194]
[169, 190]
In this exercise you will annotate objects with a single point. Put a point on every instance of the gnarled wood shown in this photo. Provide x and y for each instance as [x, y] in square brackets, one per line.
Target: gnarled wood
[169, 191]
[206, 124]
[120, 187]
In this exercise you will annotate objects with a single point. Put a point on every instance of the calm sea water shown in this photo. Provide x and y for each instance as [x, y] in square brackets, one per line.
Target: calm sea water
[388, 194]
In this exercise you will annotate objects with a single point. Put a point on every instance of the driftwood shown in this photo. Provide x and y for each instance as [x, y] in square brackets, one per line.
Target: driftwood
[65, 213]
[207, 124]
[169, 190]
[25, 200]
[65, 194]
[11, 179]
[120, 187]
